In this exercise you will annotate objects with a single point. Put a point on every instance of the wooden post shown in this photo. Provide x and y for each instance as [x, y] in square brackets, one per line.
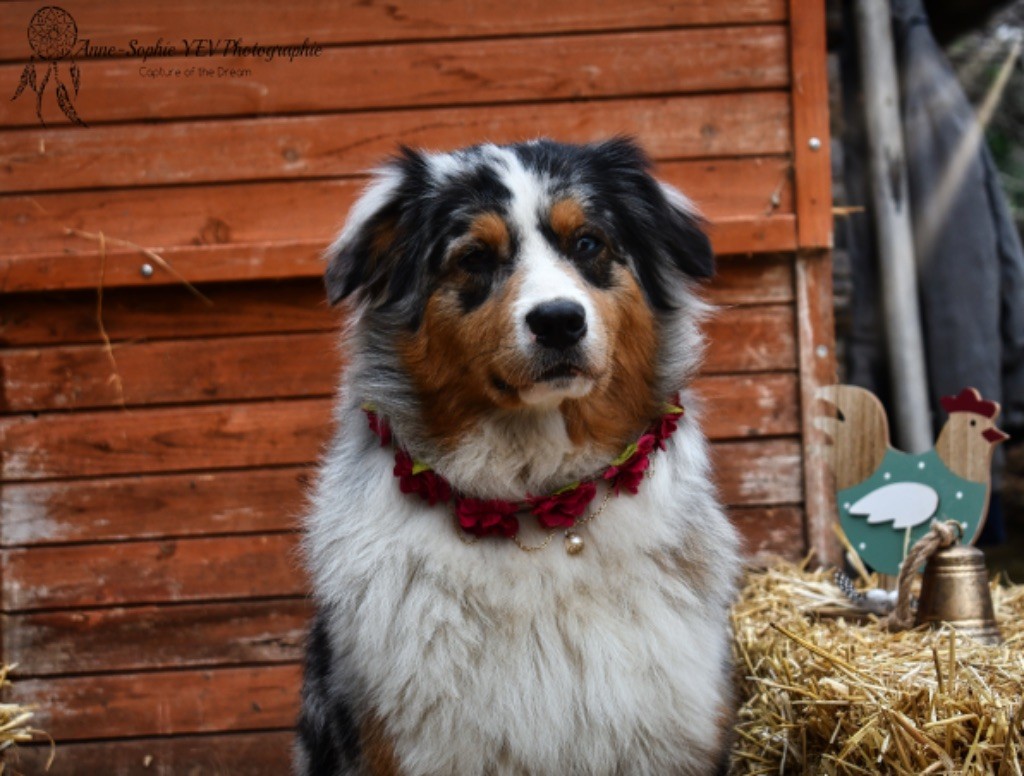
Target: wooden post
[815, 328]
[813, 276]
[894, 232]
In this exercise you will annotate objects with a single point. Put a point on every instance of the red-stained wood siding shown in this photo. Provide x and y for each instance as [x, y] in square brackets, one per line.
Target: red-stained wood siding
[150, 584]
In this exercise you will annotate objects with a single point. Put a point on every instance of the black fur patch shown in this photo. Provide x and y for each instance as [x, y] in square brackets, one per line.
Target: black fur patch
[327, 731]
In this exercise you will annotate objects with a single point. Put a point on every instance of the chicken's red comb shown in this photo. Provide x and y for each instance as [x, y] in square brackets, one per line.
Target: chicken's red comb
[969, 400]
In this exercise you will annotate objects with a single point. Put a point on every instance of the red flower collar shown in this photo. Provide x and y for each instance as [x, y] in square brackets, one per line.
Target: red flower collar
[561, 509]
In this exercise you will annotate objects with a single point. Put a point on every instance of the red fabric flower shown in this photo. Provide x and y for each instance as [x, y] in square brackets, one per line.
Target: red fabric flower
[426, 483]
[665, 426]
[380, 427]
[487, 517]
[561, 510]
[629, 474]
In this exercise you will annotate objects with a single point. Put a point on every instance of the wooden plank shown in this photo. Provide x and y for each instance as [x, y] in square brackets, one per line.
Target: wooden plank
[811, 150]
[169, 372]
[145, 638]
[751, 339]
[770, 532]
[671, 128]
[758, 473]
[816, 336]
[166, 439]
[305, 365]
[288, 260]
[753, 189]
[308, 211]
[175, 505]
[109, 23]
[757, 405]
[450, 73]
[733, 236]
[266, 753]
[196, 216]
[166, 312]
[176, 570]
[205, 701]
[197, 264]
[740, 281]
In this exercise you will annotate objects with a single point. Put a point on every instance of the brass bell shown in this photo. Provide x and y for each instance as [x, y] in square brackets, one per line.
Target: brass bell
[955, 590]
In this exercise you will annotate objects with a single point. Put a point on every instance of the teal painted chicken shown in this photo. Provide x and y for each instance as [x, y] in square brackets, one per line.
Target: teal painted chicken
[886, 498]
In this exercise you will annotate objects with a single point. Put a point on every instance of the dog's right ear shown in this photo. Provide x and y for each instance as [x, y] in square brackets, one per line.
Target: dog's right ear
[363, 256]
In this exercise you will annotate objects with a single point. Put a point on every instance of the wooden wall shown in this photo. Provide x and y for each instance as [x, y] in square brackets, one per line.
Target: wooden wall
[156, 436]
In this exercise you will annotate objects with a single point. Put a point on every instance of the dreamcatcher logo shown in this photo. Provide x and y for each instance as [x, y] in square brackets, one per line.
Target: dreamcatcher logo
[52, 34]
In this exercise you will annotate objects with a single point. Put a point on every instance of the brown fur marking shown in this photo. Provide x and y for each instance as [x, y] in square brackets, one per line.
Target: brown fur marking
[384, 235]
[566, 217]
[378, 750]
[453, 358]
[617, 410]
[490, 229]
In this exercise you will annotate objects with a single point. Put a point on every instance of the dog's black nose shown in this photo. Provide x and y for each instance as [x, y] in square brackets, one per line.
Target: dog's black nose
[559, 324]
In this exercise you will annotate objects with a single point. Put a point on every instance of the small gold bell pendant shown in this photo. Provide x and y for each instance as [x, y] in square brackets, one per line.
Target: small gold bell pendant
[955, 590]
[573, 543]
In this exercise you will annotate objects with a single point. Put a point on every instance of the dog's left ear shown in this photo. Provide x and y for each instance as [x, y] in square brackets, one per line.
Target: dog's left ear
[659, 227]
[683, 237]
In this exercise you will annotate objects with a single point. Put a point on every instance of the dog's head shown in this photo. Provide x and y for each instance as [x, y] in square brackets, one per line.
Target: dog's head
[538, 276]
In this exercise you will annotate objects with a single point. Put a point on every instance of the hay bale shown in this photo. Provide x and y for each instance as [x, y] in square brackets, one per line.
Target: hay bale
[827, 692]
[14, 724]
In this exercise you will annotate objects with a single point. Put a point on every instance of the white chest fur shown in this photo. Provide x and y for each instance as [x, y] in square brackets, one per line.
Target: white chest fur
[483, 659]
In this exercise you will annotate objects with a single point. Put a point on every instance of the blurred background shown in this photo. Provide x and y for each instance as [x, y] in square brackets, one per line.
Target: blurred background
[978, 43]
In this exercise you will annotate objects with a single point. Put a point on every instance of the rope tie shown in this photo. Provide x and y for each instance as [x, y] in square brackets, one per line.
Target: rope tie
[940, 536]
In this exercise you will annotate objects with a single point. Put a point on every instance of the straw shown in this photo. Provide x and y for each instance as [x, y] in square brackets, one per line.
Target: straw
[827, 690]
[14, 725]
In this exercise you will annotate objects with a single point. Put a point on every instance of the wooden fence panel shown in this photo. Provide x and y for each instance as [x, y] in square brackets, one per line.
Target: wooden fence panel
[157, 440]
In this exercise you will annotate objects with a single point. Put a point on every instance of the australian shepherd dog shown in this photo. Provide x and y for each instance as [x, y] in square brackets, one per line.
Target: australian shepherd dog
[518, 559]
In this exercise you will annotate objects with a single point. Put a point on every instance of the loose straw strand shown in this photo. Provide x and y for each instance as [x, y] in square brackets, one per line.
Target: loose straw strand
[108, 348]
[940, 536]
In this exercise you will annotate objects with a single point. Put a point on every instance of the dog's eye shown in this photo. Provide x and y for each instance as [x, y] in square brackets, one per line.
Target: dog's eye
[476, 261]
[587, 246]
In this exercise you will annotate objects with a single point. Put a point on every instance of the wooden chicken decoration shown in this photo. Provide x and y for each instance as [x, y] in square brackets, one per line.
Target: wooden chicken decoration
[887, 498]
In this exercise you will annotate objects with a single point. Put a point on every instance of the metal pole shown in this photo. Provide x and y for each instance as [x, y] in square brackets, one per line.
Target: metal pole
[894, 231]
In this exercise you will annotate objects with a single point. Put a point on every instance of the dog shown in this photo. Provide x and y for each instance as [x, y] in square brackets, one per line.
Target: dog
[518, 559]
